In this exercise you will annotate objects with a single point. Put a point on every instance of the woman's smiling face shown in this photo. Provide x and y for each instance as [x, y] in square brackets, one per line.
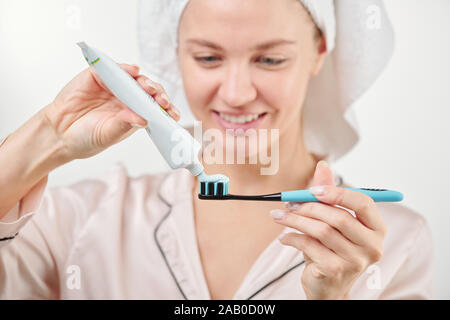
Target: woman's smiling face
[246, 64]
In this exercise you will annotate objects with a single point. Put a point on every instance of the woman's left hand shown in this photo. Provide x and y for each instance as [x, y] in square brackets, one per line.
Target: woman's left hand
[337, 246]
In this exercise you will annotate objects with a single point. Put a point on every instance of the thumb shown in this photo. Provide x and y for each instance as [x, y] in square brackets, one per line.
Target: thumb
[323, 176]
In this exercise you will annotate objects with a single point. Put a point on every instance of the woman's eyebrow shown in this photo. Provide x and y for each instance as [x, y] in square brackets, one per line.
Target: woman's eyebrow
[261, 46]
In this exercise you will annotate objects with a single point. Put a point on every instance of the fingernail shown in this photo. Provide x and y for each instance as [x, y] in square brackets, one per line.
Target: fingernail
[317, 190]
[292, 205]
[137, 125]
[277, 213]
[322, 163]
[173, 114]
[281, 236]
[317, 273]
[165, 97]
[151, 83]
[175, 110]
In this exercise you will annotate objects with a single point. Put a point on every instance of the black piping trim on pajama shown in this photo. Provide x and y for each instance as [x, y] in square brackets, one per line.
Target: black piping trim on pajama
[161, 250]
[276, 279]
[175, 278]
[9, 238]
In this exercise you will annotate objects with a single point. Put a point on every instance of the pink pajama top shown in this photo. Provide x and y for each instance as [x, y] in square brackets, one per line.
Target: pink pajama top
[122, 237]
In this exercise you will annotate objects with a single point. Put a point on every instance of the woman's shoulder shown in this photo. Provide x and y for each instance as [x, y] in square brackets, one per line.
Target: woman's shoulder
[115, 182]
[100, 200]
[113, 178]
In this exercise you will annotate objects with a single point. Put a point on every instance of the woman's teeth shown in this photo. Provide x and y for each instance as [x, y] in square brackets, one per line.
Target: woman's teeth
[240, 119]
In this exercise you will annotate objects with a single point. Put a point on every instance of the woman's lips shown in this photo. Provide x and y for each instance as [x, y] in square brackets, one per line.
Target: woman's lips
[231, 125]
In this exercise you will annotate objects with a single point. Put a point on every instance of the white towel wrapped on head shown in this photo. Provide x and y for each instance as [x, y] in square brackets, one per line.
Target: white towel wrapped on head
[359, 39]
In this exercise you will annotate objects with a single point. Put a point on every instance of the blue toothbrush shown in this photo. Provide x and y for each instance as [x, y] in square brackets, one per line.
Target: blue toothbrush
[219, 191]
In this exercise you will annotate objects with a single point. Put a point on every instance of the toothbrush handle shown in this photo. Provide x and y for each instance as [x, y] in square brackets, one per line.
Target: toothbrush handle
[378, 195]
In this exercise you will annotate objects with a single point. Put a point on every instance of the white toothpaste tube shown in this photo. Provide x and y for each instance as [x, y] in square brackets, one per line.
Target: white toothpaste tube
[175, 143]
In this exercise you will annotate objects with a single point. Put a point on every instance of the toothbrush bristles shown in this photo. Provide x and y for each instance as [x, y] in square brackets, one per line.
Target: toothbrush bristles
[213, 189]
[219, 189]
[202, 188]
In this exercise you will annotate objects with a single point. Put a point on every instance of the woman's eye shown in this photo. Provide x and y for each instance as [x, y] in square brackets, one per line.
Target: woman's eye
[215, 60]
[208, 60]
[270, 61]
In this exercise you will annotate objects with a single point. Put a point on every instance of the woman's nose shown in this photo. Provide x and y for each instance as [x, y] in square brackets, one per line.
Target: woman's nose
[237, 88]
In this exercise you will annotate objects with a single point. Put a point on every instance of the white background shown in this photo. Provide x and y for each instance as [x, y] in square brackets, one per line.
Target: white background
[404, 118]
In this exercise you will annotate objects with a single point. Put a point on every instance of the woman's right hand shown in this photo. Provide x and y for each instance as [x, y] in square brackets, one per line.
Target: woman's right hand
[87, 118]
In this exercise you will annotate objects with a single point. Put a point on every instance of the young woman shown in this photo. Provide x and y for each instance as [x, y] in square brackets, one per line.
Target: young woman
[296, 66]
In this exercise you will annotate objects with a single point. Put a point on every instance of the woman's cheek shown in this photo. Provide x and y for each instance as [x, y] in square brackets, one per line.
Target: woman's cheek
[292, 93]
[197, 90]
[273, 94]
